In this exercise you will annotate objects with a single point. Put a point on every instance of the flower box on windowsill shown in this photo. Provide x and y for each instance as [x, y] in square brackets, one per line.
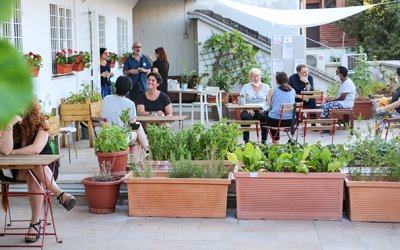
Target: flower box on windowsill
[78, 66]
[63, 68]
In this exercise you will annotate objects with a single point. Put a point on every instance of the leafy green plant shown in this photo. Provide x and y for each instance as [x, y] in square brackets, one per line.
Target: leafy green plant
[138, 171]
[220, 79]
[190, 169]
[197, 143]
[85, 92]
[33, 59]
[333, 90]
[64, 56]
[111, 139]
[374, 159]
[186, 76]
[250, 155]
[362, 75]
[126, 54]
[81, 57]
[234, 57]
[113, 57]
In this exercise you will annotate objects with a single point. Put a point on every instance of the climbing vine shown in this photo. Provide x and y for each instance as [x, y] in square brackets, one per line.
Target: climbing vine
[233, 58]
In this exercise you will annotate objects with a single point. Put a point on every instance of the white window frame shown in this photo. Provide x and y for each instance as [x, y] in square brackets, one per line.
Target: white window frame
[122, 35]
[61, 30]
[102, 31]
[11, 29]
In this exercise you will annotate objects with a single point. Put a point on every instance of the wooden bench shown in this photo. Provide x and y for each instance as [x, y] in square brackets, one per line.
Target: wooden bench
[248, 128]
[344, 116]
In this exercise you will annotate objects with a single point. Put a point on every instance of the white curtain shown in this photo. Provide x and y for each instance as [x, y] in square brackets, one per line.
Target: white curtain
[298, 18]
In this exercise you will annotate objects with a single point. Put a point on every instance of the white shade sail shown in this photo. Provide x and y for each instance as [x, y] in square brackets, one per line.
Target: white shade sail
[298, 18]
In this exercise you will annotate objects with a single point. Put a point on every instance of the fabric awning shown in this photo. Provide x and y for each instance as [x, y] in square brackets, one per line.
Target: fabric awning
[298, 18]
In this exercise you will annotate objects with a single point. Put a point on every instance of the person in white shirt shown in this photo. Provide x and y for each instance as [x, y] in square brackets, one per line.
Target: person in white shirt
[113, 105]
[255, 92]
[347, 93]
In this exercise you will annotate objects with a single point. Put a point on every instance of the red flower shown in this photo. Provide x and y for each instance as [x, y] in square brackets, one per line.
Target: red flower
[30, 53]
[63, 51]
[58, 54]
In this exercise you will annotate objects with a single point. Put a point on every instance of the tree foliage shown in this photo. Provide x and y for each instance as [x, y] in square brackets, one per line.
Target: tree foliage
[376, 29]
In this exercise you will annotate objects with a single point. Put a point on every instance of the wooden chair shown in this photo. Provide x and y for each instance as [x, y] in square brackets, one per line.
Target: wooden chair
[313, 94]
[97, 122]
[325, 124]
[392, 123]
[249, 127]
[295, 110]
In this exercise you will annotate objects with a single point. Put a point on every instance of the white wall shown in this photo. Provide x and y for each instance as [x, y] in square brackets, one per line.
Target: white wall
[36, 38]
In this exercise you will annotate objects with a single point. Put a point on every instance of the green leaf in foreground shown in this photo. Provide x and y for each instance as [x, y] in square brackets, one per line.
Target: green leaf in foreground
[15, 83]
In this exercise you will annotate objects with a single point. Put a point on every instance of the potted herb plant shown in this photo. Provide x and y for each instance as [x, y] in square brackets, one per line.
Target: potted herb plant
[186, 76]
[292, 181]
[63, 61]
[102, 190]
[34, 62]
[192, 189]
[80, 60]
[373, 182]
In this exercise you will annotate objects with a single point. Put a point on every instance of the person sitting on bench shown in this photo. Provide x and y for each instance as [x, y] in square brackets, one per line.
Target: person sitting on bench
[347, 93]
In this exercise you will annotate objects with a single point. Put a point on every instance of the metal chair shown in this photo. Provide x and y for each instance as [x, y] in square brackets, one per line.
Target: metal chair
[69, 132]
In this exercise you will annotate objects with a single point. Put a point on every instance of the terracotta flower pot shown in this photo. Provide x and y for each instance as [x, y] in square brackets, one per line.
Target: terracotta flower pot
[112, 64]
[63, 68]
[78, 66]
[293, 196]
[177, 197]
[101, 196]
[363, 107]
[373, 201]
[118, 160]
[35, 71]
[123, 60]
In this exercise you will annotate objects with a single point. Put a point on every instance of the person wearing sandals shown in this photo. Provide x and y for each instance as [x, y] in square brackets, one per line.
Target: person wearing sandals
[25, 136]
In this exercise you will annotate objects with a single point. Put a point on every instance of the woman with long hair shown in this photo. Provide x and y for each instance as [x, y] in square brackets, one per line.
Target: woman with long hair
[284, 93]
[161, 65]
[105, 73]
[29, 136]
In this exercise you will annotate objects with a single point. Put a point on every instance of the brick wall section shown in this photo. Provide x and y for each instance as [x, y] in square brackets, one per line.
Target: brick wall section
[331, 35]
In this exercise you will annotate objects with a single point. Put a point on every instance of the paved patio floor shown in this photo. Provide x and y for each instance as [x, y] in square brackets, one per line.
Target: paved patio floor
[81, 230]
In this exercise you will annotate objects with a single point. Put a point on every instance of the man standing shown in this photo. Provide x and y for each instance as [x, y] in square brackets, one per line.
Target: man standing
[303, 81]
[136, 67]
[347, 93]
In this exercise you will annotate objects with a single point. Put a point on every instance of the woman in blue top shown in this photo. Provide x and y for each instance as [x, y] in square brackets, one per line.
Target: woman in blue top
[255, 92]
[277, 96]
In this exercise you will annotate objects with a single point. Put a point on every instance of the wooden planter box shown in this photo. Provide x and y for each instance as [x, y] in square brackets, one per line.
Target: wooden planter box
[80, 113]
[177, 197]
[297, 196]
[373, 201]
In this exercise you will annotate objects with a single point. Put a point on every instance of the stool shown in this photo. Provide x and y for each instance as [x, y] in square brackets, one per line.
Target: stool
[69, 131]
[343, 115]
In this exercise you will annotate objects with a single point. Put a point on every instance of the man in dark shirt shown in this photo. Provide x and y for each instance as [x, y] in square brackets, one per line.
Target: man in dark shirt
[303, 81]
[136, 67]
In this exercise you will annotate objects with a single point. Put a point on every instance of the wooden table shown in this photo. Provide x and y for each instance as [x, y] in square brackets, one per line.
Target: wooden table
[250, 106]
[162, 119]
[28, 162]
[203, 99]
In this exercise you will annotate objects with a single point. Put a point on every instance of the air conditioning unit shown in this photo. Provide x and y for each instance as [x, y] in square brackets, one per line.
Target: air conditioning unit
[317, 61]
[350, 61]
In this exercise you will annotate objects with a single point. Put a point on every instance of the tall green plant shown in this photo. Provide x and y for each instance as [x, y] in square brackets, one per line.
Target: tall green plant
[234, 57]
[15, 80]
[362, 75]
